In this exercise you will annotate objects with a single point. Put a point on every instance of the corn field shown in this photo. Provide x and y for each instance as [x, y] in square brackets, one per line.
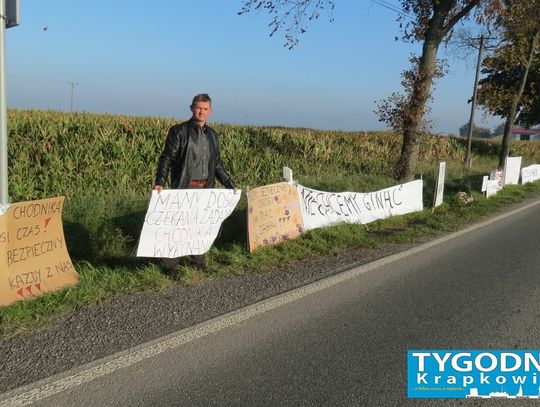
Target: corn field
[105, 166]
[53, 153]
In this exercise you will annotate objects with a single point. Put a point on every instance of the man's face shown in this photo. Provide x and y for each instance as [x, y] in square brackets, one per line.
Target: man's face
[201, 111]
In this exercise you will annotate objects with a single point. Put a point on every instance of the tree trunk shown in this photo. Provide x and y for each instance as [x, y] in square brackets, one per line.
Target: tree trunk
[512, 109]
[437, 28]
[413, 117]
[507, 139]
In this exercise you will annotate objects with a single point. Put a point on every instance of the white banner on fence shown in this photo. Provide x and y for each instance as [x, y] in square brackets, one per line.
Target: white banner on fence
[512, 165]
[439, 189]
[181, 222]
[320, 209]
[530, 173]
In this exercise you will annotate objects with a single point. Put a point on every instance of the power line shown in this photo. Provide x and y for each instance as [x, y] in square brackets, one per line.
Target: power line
[392, 7]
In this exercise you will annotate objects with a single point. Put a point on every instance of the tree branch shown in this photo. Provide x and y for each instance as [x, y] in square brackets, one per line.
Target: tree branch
[464, 11]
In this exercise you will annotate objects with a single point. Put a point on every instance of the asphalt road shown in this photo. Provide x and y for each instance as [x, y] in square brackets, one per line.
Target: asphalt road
[344, 344]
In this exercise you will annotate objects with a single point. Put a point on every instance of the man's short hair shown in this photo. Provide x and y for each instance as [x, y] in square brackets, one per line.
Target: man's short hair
[201, 97]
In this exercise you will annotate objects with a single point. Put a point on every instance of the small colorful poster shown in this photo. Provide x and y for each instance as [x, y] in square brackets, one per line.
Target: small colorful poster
[273, 214]
[496, 175]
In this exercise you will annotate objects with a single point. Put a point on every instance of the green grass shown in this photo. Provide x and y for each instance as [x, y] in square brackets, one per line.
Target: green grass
[104, 165]
[126, 274]
[96, 283]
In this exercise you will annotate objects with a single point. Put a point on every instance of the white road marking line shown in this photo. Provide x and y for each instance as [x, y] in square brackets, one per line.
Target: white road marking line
[42, 389]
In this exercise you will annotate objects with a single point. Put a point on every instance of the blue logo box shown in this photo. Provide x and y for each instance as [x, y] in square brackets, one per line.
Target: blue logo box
[513, 374]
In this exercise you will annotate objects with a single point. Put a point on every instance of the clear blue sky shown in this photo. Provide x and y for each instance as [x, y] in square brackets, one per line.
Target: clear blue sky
[149, 58]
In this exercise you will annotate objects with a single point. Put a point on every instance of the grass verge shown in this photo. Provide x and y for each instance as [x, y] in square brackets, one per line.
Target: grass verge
[229, 256]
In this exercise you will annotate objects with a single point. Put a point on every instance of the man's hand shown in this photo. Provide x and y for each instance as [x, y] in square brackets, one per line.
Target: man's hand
[157, 188]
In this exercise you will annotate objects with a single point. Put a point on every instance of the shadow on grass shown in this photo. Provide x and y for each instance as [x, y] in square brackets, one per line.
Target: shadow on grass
[121, 238]
[113, 244]
[112, 240]
[469, 183]
[385, 232]
[78, 241]
[233, 230]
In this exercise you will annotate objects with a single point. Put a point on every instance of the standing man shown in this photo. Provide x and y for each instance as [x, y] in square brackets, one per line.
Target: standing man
[191, 156]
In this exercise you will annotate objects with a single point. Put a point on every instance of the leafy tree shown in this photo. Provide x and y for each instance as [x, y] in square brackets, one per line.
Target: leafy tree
[432, 24]
[529, 116]
[481, 132]
[511, 86]
[498, 88]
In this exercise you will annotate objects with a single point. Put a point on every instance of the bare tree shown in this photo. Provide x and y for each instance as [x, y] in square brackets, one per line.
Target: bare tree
[290, 15]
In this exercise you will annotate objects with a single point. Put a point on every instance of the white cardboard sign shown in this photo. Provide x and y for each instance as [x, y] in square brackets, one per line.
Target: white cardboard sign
[320, 209]
[182, 222]
[439, 190]
[484, 183]
[530, 173]
[287, 175]
[512, 165]
[492, 188]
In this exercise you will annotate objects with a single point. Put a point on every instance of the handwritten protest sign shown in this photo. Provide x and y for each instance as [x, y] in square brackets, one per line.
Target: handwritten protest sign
[33, 254]
[530, 173]
[273, 214]
[181, 222]
[493, 186]
[512, 166]
[320, 209]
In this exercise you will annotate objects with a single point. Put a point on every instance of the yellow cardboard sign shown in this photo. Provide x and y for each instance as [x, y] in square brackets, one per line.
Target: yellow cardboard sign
[33, 253]
[273, 214]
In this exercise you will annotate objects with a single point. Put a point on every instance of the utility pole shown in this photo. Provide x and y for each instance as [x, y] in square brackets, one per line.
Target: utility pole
[473, 103]
[72, 84]
[9, 17]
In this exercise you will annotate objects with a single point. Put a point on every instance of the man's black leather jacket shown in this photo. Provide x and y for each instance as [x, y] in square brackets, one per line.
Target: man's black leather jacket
[178, 157]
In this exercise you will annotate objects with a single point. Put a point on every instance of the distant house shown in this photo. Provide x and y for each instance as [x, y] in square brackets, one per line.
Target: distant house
[521, 133]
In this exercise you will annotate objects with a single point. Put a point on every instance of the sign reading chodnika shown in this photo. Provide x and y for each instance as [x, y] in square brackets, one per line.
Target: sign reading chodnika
[33, 253]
